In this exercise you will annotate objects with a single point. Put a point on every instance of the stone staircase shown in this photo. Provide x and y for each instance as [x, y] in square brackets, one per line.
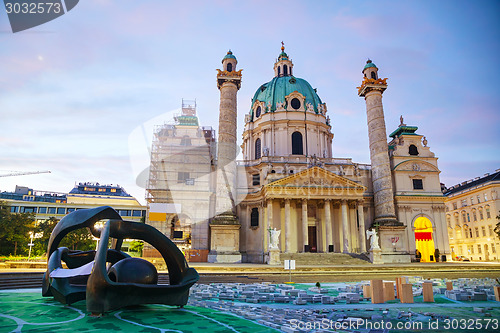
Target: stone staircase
[322, 259]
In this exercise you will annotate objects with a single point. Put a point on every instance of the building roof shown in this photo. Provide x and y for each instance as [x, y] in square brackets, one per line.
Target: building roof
[369, 64]
[229, 55]
[487, 178]
[97, 189]
[403, 129]
[275, 91]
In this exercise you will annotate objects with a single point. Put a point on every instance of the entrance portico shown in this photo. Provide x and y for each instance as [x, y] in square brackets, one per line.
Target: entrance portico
[316, 211]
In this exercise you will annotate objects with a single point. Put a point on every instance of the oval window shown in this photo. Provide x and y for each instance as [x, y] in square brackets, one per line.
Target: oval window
[295, 103]
[257, 112]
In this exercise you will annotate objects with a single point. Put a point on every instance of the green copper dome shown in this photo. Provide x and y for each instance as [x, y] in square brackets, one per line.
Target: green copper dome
[279, 87]
[229, 55]
[369, 64]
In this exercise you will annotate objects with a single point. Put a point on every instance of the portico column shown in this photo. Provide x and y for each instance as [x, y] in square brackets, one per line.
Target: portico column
[265, 229]
[305, 235]
[345, 227]
[362, 233]
[328, 221]
[288, 231]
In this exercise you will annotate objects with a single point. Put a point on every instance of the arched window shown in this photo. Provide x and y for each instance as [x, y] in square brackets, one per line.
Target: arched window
[297, 146]
[229, 67]
[285, 70]
[279, 70]
[413, 150]
[374, 76]
[186, 141]
[254, 217]
[257, 149]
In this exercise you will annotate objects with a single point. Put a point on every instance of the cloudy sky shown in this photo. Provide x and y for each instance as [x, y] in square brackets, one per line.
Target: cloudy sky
[79, 95]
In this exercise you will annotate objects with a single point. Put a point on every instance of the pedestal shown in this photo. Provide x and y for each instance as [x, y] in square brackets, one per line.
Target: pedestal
[388, 291]
[406, 293]
[428, 292]
[376, 256]
[377, 287]
[225, 239]
[496, 289]
[393, 244]
[274, 257]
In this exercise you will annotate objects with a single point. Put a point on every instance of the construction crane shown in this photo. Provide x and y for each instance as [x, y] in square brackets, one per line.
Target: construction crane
[22, 173]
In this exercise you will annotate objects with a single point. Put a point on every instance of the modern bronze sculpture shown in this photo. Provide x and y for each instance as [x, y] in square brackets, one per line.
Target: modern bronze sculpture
[128, 281]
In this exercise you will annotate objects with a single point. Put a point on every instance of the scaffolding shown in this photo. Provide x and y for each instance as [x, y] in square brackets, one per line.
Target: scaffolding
[181, 173]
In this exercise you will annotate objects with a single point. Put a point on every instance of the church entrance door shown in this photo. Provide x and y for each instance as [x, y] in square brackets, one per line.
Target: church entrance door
[424, 239]
[313, 246]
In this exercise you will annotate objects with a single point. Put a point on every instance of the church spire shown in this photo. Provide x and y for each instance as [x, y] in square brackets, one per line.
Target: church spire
[283, 66]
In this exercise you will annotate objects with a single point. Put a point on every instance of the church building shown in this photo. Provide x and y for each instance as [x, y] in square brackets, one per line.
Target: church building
[289, 185]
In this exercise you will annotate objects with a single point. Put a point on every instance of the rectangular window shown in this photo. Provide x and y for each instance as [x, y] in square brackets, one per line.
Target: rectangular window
[474, 215]
[477, 232]
[28, 209]
[472, 200]
[113, 190]
[471, 249]
[14, 209]
[256, 179]
[70, 210]
[481, 217]
[418, 184]
[485, 197]
[52, 210]
[478, 199]
[182, 176]
[102, 189]
[42, 210]
[493, 249]
[136, 213]
[488, 214]
[61, 210]
[123, 212]
[254, 217]
[490, 229]
[470, 233]
[178, 234]
[483, 230]
[468, 217]
[464, 203]
[466, 234]
[455, 205]
[464, 219]
[479, 248]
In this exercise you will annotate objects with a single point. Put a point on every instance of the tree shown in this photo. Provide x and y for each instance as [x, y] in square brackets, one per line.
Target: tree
[45, 228]
[14, 229]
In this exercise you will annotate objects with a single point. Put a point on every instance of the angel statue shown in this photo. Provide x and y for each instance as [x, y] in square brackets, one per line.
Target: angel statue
[372, 235]
[275, 234]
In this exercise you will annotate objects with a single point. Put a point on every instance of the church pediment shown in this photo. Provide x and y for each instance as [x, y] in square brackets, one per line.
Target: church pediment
[314, 181]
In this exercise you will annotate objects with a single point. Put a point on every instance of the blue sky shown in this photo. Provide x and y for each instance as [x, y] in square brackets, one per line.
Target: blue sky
[72, 91]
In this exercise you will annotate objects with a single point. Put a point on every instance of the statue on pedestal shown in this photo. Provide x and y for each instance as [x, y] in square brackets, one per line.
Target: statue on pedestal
[373, 237]
[274, 238]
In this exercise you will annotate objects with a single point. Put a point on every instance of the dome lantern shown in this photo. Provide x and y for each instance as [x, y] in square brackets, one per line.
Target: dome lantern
[283, 66]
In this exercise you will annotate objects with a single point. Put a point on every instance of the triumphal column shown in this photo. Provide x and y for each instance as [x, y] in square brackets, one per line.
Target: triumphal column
[225, 227]
[385, 222]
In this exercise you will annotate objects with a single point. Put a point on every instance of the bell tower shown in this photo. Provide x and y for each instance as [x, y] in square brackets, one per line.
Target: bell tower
[385, 221]
[225, 227]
